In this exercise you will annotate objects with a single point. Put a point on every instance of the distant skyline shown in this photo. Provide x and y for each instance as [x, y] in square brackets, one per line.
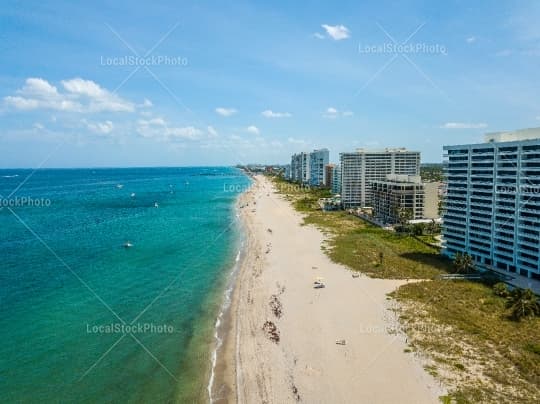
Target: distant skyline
[204, 83]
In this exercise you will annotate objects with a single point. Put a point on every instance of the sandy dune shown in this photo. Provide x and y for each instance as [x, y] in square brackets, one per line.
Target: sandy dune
[307, 364]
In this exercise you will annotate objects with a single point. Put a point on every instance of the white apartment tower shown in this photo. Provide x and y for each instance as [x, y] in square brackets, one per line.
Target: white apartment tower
[308, 168]
[492, 206]
[300, 167]
[318, 159]
[360, 168]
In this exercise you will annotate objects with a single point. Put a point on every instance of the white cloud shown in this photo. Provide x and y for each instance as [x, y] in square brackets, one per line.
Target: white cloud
[38, 126]
[101, 128]
[253, 129]
[337, 32]
[296, 141]
[187, 132]
[159, 129]
[146, 103]
[79, 96]
[330, 113]
[99, 98]
[318, 35]
[212, 131]
[271, 114]
[333, 113]
[226, 111]
[463, 125]
[471, 39]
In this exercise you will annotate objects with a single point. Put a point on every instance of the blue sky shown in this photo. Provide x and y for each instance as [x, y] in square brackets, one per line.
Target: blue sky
[256, 81]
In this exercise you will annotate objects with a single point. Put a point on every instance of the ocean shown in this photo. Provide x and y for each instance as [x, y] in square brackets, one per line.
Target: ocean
[111, 281]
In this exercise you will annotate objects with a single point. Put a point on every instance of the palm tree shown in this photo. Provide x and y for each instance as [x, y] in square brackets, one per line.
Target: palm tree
[404, 215]
[500, 289]
[523, 303]
[463, 263]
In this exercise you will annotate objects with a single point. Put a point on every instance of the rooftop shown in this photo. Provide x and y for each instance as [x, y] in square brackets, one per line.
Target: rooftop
[513, 136]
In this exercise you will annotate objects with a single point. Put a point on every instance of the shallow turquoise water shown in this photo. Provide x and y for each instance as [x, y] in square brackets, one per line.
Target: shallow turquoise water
[58, 295]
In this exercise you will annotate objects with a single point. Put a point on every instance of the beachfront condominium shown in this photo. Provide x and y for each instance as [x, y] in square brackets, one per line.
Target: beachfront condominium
[360, 168]
[300, 167]
[328, 175]
[492, 205]
[336, 180]
[318, 159]
[308, 168]
[401, 193]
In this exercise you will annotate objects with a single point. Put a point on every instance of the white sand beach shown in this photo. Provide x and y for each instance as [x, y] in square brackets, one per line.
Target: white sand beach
[307, 364]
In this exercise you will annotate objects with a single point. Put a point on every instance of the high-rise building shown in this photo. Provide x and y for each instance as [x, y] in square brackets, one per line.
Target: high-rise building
[318, 159]
[329, 175]
[395, 194]
[492, 204]
[300, 167]
[308, 168]
[336, 180]
[360, 168]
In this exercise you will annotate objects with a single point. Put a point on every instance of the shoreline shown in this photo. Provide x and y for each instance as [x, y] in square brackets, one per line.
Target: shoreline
[306, 363]
[221, 387]
[218, 383]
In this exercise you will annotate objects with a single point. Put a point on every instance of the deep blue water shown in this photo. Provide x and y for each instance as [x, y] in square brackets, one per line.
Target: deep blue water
[66, 279]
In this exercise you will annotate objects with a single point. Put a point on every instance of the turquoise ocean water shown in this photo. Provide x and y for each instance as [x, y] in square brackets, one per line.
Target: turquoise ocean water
[85, 319]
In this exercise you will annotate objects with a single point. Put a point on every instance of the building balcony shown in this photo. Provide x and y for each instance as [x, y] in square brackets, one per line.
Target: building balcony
[480, 239]
[529, 227]
[483, 197]
[481, 204]
[529, 260]
[501, 257]
[530, 248]
[505, 214]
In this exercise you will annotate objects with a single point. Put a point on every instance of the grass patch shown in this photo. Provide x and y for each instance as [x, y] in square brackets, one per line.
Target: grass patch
[464, 326]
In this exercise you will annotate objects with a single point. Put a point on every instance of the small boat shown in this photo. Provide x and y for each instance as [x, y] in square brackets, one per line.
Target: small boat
[133, 194]
[119, 186]
[156, 205]
[127, 244]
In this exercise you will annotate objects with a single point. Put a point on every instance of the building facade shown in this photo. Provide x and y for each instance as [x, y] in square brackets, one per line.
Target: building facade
[309, 168]
[492, 203]
[360, 168]
[329, 175]
[318, 160]
[397, 193]
[300, 167]
[336, 180]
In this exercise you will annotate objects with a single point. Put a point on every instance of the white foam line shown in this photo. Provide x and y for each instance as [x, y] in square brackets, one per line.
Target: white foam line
[224, 307]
